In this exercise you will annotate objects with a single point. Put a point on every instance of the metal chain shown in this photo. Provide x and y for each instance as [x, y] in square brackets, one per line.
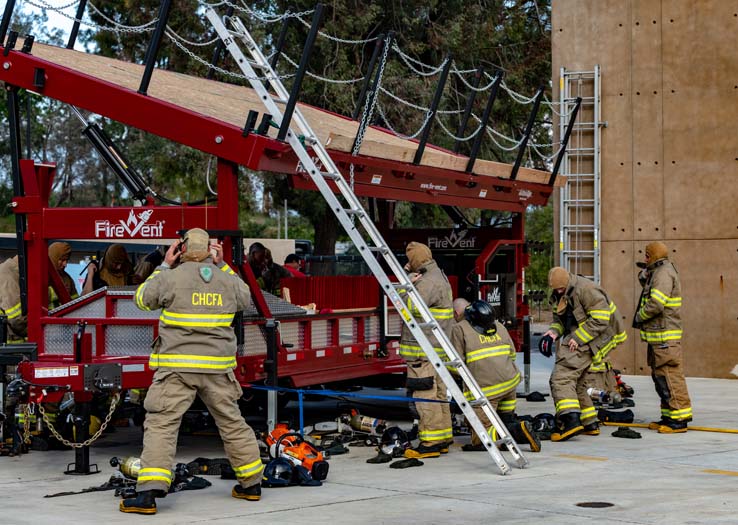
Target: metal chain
[119, 28]
[88, 442]
[190, 43]
[467, 84]
[460, 139]
[407, 59]
[424, 109]
[243, 8]
[335, 38]
[217, 68]
[323, 79]
[28, 411]
[428, 116]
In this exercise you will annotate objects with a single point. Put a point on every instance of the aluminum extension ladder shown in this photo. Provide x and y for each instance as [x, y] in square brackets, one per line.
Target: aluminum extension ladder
[354, 212]
[579, 198]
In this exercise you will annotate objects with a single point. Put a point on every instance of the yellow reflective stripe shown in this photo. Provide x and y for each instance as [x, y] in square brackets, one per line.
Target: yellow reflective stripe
[582, 334]
[601, 367]
[195, 319]
[612, 343]
[155, 474]
[227, 269]
[499, 388]
[558, 327]
[250, 469]
[442, 313]
[661, 297]
[443, 434]
[192, 361]
[683, 413]
[14, 311]
[603, 314]
[484, 353]
[661, 337]
[588, 412]
[566, 404]
[411, 351]
[138, 298]
[506, 406]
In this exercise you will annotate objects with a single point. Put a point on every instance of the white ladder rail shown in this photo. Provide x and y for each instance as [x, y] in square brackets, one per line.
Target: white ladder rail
[355, 210]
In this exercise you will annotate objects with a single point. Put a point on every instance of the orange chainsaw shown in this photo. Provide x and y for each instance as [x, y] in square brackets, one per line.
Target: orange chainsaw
[290, 445]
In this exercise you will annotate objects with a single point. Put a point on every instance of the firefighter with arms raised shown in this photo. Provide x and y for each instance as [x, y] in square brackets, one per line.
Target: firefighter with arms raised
[193, 355]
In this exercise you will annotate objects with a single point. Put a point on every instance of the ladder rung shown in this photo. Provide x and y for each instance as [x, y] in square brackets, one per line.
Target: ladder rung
[379, 249]
[330, 176]
[478, 402]
[427, 325]
[456, 363]
[353, 211]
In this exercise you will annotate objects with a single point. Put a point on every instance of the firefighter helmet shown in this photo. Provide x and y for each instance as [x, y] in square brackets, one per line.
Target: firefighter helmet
[481, 316]
[277, 473]
[394, 442]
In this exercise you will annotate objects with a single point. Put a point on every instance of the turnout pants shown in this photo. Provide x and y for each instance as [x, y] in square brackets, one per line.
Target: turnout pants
[169, 397]
[423, 382]
[504, 404]
[667, 372]
[568, 387]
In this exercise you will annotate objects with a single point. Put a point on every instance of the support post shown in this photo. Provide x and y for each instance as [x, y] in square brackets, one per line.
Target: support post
[280, 43]
[468, 109]
[20, 219]
[368, 76]
[5, 22]
[432, 112]
[301, 69]
[526, 136]
[82, 466]
[565, 142]
[372, 94]
[526, 352]
[485, 118]
[153, 50]
[270, 367]
[75, 27]
[219, 47]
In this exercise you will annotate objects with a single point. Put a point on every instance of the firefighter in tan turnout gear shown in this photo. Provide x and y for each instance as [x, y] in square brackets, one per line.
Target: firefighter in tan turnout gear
[489, 353]
[10, 300]
[194, 355]
[659, 320]
[588, 327]
[435, 431]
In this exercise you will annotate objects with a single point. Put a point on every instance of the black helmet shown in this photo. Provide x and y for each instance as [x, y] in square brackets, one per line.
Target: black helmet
[544, 422]
[481, 316]
[15, 391]
[277, 473]
[394, 442]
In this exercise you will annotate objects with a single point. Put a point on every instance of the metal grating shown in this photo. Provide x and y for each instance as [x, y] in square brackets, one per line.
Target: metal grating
[371, 328]
[321, 333]
[128, 340]
[279, 308]
[394, 323]
[59, 339]
[128, 309]
[347, 330]
[294, 334]
[254, 342]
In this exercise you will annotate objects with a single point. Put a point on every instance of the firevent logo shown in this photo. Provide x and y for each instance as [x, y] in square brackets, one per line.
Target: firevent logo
[453, 240]
[135, 225]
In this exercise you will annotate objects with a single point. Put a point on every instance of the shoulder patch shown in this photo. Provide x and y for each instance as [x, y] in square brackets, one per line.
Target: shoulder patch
[206, 273]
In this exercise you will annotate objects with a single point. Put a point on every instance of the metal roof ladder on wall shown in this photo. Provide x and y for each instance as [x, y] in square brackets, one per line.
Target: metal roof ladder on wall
[362, 230]
[579, 199]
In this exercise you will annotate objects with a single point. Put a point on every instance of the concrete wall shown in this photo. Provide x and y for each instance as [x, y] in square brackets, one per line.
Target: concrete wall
[669, 156]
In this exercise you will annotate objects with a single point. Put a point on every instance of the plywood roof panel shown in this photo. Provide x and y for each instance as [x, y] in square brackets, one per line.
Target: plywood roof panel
[230, 104]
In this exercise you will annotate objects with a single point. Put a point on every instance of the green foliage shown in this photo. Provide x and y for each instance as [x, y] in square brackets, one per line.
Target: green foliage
[539, 229]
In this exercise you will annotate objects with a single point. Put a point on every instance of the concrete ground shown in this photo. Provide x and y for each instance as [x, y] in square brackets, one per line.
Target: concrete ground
[684, 478]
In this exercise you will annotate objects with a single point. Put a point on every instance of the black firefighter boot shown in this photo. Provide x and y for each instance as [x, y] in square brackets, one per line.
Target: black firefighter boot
[143, 503]
[568, 426]
[252, 493]
[521, 431]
